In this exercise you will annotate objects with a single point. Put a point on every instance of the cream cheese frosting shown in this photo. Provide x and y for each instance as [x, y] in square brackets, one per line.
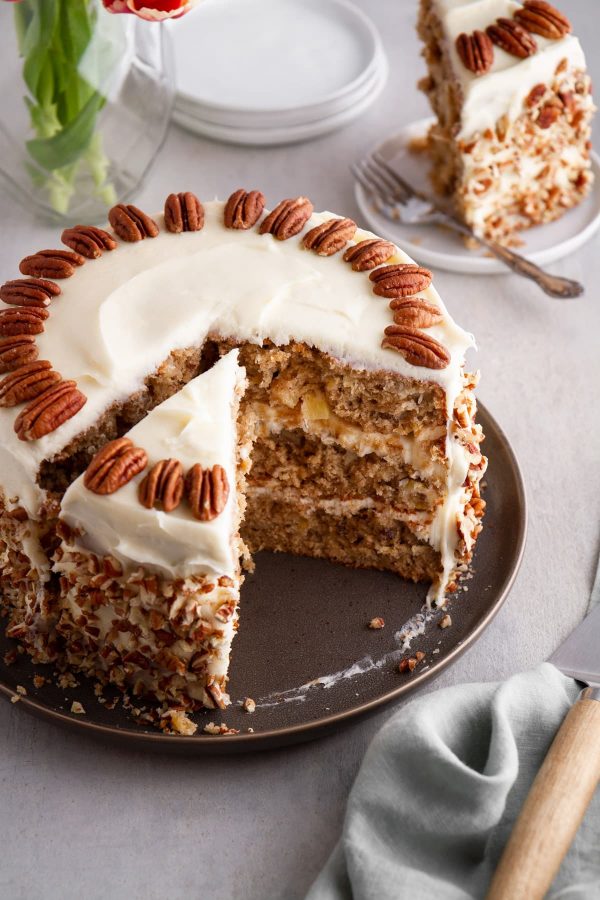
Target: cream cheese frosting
[502, 90]
[120, 316]
[195, 425]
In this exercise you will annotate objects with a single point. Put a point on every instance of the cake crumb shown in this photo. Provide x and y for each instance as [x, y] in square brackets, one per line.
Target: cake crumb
[407, 665]
[250, 730]
[39, 681]
[445, 622]
[249, 705]
[377, 623]
[77, 708]
[410, 663]
[10, 657]
[15, 698]
[180, 722]
[67, 680]
[21, 690]
[211, 728]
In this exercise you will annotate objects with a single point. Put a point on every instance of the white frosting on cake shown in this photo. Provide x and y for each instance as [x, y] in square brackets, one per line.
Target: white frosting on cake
[119, 317]
[196, 425]
[502, 90]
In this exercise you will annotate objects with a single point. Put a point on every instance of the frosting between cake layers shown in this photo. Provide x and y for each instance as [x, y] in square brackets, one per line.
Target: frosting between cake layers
[502, 90]
[120, 316]
[196, 425]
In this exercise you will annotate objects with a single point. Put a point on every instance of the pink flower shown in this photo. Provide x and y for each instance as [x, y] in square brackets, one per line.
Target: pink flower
[151, 10]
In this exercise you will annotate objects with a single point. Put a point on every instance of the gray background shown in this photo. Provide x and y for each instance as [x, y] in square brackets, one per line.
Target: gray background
[79, 819]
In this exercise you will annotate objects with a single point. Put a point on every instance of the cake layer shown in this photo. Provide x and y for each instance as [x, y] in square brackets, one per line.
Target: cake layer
[363, 538]
[316, 470]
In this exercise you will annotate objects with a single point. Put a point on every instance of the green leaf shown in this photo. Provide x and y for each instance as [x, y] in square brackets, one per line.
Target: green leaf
[69, 143]
[22, 17]
[37, 41]
[41, 27]
[75, 30]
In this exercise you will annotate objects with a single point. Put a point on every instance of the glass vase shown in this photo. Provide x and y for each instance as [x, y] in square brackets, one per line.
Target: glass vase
[87, 99]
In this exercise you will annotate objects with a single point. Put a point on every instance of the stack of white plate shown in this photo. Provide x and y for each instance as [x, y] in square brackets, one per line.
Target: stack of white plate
[274, 71]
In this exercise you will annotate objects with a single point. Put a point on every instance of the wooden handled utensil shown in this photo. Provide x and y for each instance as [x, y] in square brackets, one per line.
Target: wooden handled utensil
[564, 785]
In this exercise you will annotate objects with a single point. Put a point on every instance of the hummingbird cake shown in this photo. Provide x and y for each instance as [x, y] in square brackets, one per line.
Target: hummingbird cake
[182, 390]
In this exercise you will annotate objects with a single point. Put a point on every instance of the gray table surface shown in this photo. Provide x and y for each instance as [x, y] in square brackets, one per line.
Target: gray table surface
[83, 820]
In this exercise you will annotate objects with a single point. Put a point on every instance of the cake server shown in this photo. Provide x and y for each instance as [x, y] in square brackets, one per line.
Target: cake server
[398, 201]
[565, 783]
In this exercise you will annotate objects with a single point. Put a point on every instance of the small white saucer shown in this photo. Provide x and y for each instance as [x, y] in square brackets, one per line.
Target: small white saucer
[438, 247]
[275, 71]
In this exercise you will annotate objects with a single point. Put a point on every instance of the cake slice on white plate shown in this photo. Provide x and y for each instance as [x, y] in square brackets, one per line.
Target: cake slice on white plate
[508, 84]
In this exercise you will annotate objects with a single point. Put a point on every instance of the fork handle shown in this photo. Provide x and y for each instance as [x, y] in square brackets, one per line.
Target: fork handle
[553, 285]
[554, 808]
[562, 288]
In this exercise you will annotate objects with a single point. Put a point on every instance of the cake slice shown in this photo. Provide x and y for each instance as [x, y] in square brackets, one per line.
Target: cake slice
[149, 560]
[508, 85]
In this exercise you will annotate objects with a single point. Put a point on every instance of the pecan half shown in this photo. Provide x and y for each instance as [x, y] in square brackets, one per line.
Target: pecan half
[549, 114]
[163, 485]
[131, 224]
[476, 52]
[535, 95]
[288, 218]
[243, 209]
[22, 320]
[416, 313]
[47, 412]
[402, 280]
[17, 350]
[114, 466]
[543, 19]
[88, 240]
[27, 382]
[417, 348]
[511, 37]
[51, 264]
[369, 254]
[183, 212]
[207, 491]
[329, 237]
[29, 292]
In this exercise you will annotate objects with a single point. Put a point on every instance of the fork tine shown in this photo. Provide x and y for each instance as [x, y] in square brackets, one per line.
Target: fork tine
[370, 183]
[383, 177]
[382, 164]
[379, 178]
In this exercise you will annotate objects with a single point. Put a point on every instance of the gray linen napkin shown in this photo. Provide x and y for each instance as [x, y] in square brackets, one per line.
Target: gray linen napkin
[440, 789]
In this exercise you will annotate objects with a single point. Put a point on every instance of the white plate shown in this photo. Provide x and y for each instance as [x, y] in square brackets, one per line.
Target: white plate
[272, 55]
[443, 249]
[285, 118]
[275, 136]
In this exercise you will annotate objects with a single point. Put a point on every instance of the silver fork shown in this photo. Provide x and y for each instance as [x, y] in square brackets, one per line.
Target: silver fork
[399, 202]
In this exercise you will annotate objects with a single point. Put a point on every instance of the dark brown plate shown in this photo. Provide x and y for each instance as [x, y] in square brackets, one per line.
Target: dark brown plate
[304, 619]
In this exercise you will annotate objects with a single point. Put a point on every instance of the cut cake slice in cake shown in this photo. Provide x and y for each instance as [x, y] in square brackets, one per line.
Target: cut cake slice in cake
[150, 595]
[508, 85]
